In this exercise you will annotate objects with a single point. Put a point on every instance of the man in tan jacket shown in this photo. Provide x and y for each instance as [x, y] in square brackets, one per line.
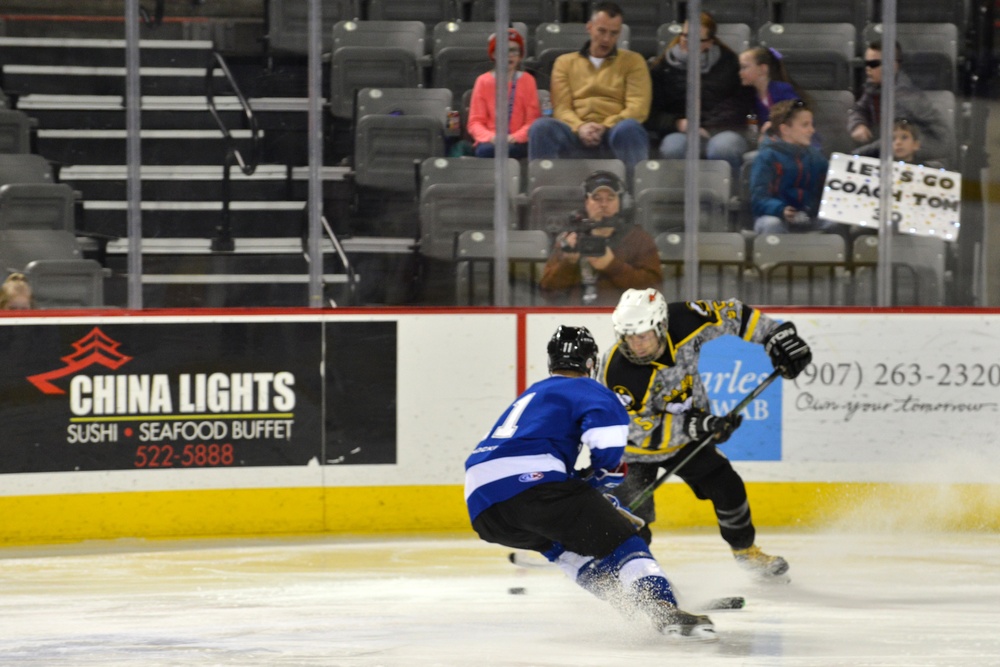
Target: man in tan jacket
[600, 97]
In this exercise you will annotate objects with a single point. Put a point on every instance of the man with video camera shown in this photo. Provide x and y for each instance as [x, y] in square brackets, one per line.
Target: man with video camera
[601, 252]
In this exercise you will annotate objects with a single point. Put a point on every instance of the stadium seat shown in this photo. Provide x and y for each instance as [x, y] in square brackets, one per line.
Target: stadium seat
[530, 12]
[930, 52]
[475, 254]
[722, 260]
[554, 39]
[16, 128]
[855, 12]
[736, 36]
[429, 12]
[459, 53]
[457, 195]
[817, 55]
[24, 168]
[287, 29]
[66, 283]
[754, 13]
[918, 270]
[659, 195]
[374, 54]
[555, 189]
[397, 127]
[830, 109]
[801, 269]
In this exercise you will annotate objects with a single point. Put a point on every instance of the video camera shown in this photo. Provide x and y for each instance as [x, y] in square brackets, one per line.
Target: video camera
[587, 244]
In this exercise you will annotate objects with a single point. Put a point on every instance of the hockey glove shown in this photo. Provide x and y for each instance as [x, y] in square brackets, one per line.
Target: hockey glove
[789, 353]
[605, 480]
[699, 425]
[631, 518]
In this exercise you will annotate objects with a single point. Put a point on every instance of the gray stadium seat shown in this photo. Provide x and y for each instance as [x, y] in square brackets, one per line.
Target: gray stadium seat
[644, 19]
[16, 128]
[475, 252]
[530, 12]
[37, 206]
[817, 55]
[659, 195]
[427, 11]
[374, 54]
[288, 23]
[66, 283]
[395, 128]
[459, 53]
[830, 108]
[918, 271]
[855, 12]
[737, 36]
[457, 195]
[24, 168]
[930, 52]
[754, 13]
[722, 260]
[801, 269]
[554, 39]
[555, 189]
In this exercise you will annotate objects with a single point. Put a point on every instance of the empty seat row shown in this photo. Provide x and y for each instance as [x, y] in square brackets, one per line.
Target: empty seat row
[797, 269]
[287, 20]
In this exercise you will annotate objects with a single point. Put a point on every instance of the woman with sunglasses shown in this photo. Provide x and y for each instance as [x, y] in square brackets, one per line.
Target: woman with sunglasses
[723, 103]
[864, 119]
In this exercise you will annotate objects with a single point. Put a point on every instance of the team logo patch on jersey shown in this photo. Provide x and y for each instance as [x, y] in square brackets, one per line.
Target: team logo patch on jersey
[624, 395]
[531, 477]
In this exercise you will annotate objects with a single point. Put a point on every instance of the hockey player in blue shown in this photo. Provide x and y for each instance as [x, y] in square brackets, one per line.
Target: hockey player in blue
[523, 492]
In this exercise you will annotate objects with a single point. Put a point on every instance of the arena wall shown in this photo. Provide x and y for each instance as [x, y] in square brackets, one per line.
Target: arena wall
[359, 421]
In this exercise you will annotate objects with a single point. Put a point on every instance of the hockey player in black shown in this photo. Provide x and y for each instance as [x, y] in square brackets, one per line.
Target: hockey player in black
[654, 365]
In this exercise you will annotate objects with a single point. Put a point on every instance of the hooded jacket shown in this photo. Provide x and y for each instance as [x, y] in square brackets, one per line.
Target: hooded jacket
[785, 174]
[912, 104]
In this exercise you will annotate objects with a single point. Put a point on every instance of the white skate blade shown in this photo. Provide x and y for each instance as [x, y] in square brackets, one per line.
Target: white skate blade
[698, 633]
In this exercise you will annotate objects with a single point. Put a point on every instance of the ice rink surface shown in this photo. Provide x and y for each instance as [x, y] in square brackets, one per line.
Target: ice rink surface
[875, 599]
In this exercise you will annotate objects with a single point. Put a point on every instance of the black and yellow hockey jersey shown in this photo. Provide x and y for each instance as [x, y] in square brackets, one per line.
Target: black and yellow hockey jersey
[671, 385]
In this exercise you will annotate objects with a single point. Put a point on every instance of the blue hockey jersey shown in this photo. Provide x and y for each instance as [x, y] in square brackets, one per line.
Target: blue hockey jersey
[539, 437]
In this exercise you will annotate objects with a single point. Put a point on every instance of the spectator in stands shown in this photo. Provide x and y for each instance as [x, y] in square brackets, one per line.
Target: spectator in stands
[15, 293]
[863, 121]
[787, 176]
[522, 107]
[762, 71]
[723, 101]
[602, 252]
[906, 144]
[600, 97]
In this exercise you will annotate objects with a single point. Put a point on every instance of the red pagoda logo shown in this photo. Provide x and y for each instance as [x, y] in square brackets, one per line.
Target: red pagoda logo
[93, 349]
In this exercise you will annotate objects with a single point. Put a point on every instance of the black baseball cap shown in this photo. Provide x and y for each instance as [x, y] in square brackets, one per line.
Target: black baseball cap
[603, 179]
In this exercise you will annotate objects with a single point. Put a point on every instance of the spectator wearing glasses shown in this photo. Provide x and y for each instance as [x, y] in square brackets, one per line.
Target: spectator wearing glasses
[864, 119]
[600, 97]
[522, 99]
[787, 176]
[723, 101]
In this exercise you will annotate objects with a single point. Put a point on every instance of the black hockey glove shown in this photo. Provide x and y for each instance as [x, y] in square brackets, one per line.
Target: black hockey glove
[699, 424]
[789, 353]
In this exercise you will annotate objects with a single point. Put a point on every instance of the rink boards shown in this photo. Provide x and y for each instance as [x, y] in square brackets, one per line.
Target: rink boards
[359, 421]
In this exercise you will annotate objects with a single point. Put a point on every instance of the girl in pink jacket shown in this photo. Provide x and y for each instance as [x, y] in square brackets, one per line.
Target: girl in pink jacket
[522, 103]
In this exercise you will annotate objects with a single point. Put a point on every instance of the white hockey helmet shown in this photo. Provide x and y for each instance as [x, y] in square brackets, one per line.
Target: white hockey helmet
[639, 311]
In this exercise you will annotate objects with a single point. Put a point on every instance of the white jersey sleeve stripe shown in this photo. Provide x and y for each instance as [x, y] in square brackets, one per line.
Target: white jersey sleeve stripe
[606, 437]
[508, 466]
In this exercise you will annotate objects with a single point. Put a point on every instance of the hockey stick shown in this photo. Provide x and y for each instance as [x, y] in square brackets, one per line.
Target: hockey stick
[647, 493]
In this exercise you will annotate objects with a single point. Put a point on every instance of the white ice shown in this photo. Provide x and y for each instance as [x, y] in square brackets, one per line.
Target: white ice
[861, 600]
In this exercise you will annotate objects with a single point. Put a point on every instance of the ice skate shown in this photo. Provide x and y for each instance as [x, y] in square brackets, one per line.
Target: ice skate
[679, 624]
[763, 566]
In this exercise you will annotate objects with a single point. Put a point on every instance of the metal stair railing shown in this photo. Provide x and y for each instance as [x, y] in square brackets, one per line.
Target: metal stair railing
[223, 240]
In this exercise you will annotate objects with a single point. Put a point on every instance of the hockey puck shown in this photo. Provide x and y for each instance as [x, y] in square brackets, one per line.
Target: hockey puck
[517, 590]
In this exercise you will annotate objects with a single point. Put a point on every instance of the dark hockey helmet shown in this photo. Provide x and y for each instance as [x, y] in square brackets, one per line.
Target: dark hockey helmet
[573, 349]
